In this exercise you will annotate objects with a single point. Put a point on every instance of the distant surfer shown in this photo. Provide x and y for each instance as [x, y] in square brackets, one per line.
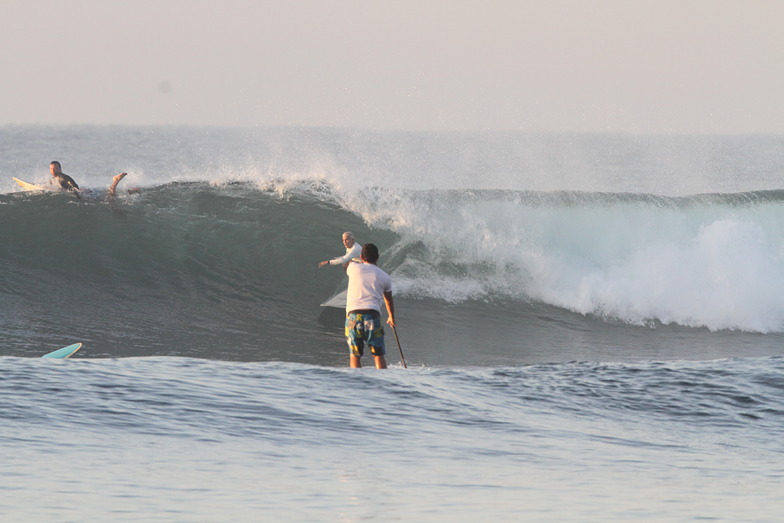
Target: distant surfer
[60, 178]
[67, 183]
[353, 251]
[367, 287]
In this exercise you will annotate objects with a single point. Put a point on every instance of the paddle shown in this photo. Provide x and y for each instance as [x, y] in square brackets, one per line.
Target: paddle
[402, 358]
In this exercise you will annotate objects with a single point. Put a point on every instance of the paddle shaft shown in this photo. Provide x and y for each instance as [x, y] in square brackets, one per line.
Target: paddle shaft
[399, 348]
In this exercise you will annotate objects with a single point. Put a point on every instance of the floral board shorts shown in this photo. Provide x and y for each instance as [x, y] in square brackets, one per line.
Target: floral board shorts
[365, 326]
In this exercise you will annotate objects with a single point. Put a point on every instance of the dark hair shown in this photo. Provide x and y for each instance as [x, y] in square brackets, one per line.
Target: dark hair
[56, 163]
[370, 253]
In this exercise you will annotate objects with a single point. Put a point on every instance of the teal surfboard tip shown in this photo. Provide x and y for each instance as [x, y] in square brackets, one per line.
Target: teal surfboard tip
[65, 352]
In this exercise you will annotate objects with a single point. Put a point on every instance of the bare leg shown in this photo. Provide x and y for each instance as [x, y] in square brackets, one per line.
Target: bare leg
[381, 363]
[116, 180]
[354, 362]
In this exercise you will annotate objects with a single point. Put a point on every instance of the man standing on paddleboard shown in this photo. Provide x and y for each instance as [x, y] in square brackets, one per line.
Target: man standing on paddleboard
[367, 287]
[353, 250]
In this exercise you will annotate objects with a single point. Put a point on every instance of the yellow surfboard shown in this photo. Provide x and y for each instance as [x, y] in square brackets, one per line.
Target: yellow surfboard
[27, 186]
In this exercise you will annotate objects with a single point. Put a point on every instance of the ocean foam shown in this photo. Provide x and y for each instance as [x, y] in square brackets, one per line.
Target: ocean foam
[715, 265]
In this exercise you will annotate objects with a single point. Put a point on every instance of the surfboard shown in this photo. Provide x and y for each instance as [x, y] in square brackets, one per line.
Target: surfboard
[65, 352]
[27, 186]
[337, 301]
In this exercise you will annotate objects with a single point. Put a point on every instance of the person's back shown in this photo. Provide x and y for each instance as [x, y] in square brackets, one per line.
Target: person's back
[366, 286]
[66, 182]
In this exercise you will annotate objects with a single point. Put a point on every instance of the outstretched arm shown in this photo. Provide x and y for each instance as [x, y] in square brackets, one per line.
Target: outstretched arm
[342, 260]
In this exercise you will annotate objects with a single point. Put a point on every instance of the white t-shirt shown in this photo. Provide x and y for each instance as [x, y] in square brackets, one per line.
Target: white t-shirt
[355, 251]
[366, 287]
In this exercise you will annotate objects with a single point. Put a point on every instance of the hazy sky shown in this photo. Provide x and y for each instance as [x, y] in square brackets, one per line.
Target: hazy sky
[658, 66]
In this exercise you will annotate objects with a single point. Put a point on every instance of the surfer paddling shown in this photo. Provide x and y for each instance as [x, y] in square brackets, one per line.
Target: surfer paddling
[367, 287]
[60, 178]
[353, 251]
[68, 184]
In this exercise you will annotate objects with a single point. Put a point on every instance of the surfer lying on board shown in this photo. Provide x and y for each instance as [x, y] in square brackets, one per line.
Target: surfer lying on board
[367, 286]
[59, 177]
[353, 250]
[67, 183]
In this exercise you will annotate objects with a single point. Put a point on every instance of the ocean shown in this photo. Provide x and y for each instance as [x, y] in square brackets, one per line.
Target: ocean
[593, 326]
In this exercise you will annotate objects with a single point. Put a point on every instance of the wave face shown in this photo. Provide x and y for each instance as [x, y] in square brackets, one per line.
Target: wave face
[223, 261]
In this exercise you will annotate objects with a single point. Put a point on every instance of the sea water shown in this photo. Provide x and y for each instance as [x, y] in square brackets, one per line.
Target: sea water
[592, 324]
